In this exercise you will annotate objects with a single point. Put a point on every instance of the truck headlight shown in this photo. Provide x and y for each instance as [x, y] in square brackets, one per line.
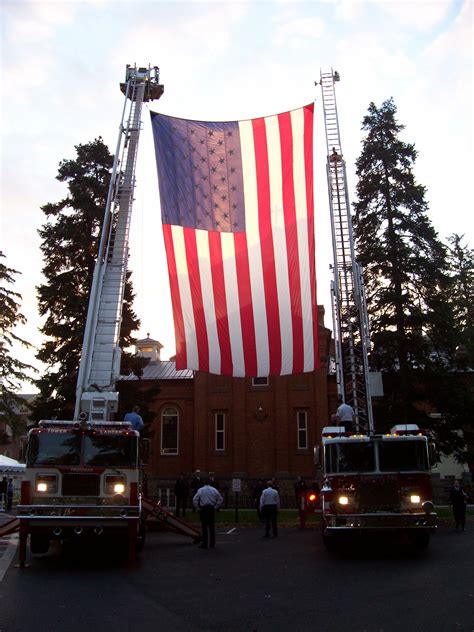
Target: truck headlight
[415, 499]
[46, 483]
[343, 500]
[115, 484]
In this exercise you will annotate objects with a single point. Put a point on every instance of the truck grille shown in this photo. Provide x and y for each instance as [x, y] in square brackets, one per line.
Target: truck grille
[81, 485]
[381, 495]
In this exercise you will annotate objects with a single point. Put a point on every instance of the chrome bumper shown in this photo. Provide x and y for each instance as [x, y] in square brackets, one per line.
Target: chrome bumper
[380, 521]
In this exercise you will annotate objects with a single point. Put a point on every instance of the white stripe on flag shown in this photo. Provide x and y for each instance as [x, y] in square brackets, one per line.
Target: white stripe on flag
[253, 246]
[204, 260]
[233, 306]
[279, 242]
[192, 358]
[297, 123]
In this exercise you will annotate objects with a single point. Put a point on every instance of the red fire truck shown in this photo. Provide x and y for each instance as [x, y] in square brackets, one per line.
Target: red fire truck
[372, 482]
[83, 479]
[84, 476]
[377, 483]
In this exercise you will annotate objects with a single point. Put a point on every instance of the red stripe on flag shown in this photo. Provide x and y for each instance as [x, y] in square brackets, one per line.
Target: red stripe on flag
[196, 297]
[291, 233]
[220, 301]
[308, 159]
[266, 245]
[245, 302]
[181, 358]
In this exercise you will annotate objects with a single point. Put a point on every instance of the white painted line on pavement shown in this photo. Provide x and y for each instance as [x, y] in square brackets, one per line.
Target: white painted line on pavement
[231, 530]
[8, 554]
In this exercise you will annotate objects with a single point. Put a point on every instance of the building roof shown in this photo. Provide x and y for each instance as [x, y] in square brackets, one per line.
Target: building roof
[161, 370]
[148, 341]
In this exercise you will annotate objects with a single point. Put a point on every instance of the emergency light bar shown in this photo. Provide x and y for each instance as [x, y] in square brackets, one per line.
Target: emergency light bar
[401, 430]
[109, 425]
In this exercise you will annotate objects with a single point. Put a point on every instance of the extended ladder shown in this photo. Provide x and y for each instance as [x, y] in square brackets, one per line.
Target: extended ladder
[100, 359]
[351, 333]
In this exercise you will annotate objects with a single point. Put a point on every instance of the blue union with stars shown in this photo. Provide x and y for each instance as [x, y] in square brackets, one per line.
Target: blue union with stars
[200, 173]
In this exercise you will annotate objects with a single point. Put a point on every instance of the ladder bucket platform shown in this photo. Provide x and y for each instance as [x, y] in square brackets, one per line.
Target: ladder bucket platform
[9, 527]
[167, 521]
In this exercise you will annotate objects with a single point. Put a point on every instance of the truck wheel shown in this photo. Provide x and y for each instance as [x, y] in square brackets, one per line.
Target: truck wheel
[331, 543]
[420, 541]
[39, 544]
[141, 538]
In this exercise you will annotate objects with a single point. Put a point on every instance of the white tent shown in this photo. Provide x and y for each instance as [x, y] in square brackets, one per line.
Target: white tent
[10, 465]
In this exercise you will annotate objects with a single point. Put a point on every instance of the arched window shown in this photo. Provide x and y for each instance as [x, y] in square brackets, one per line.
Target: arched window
[169, 430]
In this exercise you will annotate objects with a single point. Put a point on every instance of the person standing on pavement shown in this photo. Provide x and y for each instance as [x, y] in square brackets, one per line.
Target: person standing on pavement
[181, 493]
[135, 419]
[458, 500]
[300, 490]
[257, 493]
[9, 494]
[206, 500]
[196, 483]
[269, 506]
[3, 492]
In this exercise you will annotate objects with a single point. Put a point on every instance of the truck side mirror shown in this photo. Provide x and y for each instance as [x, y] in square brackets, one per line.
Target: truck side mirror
[318, 460]
[144, 451]
[433, 454]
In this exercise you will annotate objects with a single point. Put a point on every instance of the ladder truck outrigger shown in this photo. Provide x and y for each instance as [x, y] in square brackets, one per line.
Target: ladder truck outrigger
[84, 477]
[373, 483]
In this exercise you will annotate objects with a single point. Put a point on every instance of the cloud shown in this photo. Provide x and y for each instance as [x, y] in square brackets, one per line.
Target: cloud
[421, 15]
[295, 31]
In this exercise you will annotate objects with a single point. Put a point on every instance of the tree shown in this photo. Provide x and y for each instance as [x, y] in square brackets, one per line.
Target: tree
[12, 371]
[461, 273]
[70, 240]
[403, 260]
[450, 386]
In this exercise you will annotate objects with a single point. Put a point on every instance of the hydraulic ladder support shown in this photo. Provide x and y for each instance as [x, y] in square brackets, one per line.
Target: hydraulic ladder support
[351, 333]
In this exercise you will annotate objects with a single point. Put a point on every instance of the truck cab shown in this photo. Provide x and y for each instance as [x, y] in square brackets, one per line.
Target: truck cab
[377, 483]
[83, 479]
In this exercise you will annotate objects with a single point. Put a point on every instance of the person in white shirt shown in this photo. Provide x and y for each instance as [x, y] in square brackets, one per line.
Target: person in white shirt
[345, 415]
[207, 499]
[269, 506]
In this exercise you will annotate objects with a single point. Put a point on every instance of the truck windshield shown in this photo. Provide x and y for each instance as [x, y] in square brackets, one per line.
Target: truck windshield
[53, 449]
[110, 450]
[403, 456]
[350, 457]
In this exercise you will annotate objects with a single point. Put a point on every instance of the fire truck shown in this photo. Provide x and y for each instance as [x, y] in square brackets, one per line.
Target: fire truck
[85, 477]
[371, 482]
[82, 479]
[377, 483]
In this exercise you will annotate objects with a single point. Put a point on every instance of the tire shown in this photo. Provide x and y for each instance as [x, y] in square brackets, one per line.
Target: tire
[420, 541]
[39, 544]
[141, 536]
[331, 543]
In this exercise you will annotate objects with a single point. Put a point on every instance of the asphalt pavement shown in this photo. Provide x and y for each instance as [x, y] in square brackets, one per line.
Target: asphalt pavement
[247, 584]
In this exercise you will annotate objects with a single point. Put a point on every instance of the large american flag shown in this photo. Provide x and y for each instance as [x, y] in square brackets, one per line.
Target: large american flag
[238, 223]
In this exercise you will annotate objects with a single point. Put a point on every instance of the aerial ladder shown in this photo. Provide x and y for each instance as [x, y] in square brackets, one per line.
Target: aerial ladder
[86, 496]
[350, 322]
[99, 367]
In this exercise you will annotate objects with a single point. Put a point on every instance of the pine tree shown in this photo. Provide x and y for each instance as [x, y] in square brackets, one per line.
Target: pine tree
[402, 257]
[461, 273]
[12, 371]
[70, 240]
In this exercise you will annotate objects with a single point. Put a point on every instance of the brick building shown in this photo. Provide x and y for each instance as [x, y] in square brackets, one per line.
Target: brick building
[243, 428]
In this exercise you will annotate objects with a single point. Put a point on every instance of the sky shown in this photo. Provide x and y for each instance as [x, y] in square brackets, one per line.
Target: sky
[62, 62]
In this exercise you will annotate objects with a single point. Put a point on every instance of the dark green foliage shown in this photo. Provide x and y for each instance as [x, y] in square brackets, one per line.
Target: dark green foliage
[402, 257]
[12, 371]
[419, 293]
[70, 240]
